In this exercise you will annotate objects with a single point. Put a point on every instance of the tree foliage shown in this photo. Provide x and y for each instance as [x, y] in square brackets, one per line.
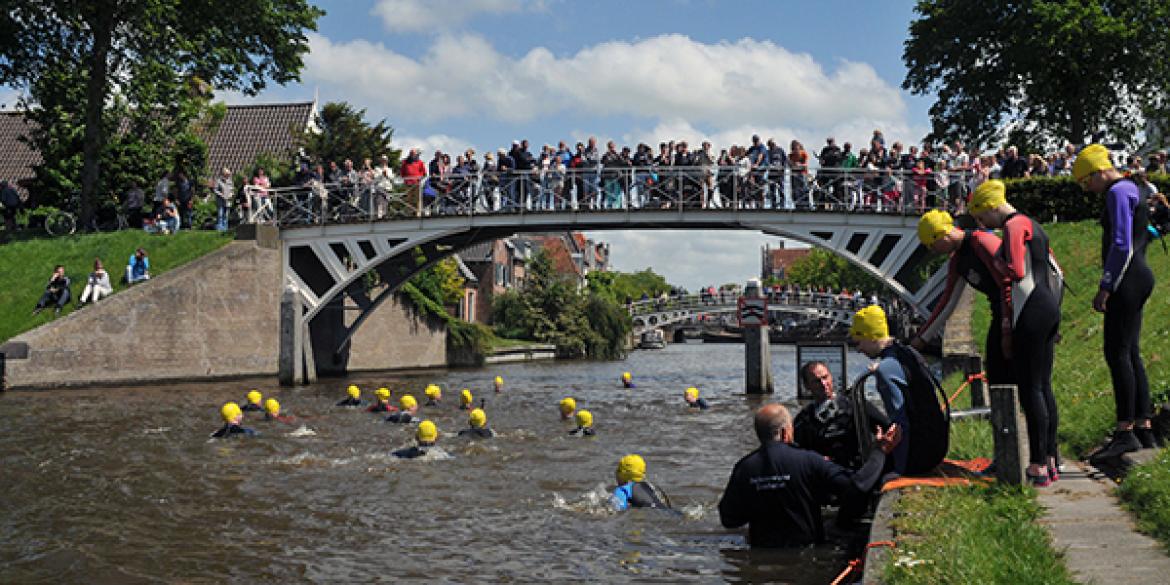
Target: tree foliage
[441, 282]
[1059, 69]
[550, 309]
[343, 133]
[623, 287]
[824, 268]
[82, 66]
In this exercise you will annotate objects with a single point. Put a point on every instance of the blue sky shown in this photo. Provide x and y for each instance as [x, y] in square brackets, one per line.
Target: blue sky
[452, 74]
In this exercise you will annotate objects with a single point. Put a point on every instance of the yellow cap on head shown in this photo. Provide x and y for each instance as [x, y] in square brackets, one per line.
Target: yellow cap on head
[568, 405]
[933, 226]
[870, 323]
[408, 401]
[255, 396]
[692, 392]
[499, 380]
[1091, 159]
[433, 391]
[382, 393]
[627, 376]
[354, 391]
[631, 468]
[584, 419]
[230, 412]
[477, 418]
[465, 396]
[427, 432]
[987, 196]
[271, 406]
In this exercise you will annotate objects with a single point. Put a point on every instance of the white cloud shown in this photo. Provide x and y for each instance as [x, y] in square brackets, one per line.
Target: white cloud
[429, 15]
[723, 85]
[430, 143]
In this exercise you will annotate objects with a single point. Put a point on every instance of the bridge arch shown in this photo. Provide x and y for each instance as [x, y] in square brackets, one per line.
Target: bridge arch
[329, 264]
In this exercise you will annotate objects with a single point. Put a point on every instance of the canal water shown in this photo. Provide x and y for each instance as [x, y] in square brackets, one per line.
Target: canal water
[122, 485]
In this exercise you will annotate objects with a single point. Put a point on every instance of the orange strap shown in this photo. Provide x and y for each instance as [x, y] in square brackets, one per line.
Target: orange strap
[856, 564]
[963, 386]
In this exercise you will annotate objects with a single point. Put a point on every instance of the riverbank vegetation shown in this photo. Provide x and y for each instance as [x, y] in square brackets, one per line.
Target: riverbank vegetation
[27, 264]
[968, 535]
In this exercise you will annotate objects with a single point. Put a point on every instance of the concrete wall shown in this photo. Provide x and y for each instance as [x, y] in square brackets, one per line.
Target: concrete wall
[217, 317]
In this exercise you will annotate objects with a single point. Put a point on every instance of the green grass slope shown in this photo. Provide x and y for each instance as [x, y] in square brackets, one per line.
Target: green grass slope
[25, 266]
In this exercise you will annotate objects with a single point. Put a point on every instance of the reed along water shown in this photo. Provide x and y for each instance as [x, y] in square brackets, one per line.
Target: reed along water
[123, 485]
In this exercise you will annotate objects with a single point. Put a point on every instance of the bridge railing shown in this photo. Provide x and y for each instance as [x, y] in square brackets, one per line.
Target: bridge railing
[627, 189]
[702, 302]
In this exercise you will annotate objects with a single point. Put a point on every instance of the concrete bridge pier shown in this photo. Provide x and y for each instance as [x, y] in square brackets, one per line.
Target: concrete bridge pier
[297, 365]
[757, 352]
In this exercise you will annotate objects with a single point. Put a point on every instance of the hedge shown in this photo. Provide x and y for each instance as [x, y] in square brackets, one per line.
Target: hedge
[1061, 198]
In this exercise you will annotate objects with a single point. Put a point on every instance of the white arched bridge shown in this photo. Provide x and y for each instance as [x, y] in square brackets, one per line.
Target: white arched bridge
[674, 310]
[347, 248]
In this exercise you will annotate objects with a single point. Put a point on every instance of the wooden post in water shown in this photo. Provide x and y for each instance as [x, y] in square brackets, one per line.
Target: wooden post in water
[978, 386]
[1010, 433]
[291, 367]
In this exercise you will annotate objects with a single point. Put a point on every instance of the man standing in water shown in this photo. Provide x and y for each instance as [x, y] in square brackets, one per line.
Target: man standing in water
[778, 489]
[826, 425]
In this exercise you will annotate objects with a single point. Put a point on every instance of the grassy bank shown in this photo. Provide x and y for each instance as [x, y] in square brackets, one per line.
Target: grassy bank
[27, 265]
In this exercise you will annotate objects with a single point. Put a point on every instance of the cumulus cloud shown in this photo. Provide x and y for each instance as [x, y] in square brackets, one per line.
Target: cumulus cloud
[429, 15]
[432, 142]
[722, 85]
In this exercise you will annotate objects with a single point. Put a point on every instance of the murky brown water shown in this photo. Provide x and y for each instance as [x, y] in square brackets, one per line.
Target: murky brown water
[123, 485]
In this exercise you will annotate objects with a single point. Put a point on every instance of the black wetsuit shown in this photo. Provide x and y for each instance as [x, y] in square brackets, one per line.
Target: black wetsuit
[835, 438]
[381, 407]
[1034, 297]
[638, 494]
[480, 433]
[582, 431]
[251, 407]
[699, 403]
[1130, 282]
[411, 452]
[350, 401]
[778, 490]
[232, 430]
[432, 402]
[401, 417]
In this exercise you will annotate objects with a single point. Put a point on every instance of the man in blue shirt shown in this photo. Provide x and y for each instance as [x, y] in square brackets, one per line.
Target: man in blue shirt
[138, 268]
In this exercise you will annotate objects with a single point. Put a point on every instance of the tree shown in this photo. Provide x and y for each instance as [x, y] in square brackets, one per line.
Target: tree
[1057, 69]
[74, 58]
[824, 268]
[623, 286]
[342, 132]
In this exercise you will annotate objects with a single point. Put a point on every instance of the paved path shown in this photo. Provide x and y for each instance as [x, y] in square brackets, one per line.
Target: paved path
[1096, 534]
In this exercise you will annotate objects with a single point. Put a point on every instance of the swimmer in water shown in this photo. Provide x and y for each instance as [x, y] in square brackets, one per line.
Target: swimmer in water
[254, 402]
[232, 415]
[479, 429]
[465, 399]
[272, 412]
[633, 490]
[409, 412]
[383, 404]
[584, 424]
[628, 380]
[693, 400]
[568, 405]
[499, 384]
[426, 435]
[354, 398]
[434, 395]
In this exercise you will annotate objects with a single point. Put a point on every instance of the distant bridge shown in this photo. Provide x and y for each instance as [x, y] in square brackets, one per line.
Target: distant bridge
[675, 310]
[346, 249]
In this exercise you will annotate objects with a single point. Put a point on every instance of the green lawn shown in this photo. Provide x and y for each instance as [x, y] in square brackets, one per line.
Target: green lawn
[26, 266]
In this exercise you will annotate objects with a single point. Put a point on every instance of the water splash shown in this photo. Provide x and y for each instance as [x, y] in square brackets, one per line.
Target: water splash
[303, 431]
[595, 502]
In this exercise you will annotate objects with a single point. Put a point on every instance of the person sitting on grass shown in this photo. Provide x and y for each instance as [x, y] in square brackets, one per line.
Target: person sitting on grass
[56, 291]
[138, 268]
[97, 286]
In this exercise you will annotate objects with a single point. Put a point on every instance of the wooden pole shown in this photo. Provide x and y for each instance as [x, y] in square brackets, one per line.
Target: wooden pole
[1010, 433]
[978, 386]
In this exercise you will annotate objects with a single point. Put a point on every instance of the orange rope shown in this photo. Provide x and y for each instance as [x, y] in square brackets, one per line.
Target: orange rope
[856, 564]
[963, 386]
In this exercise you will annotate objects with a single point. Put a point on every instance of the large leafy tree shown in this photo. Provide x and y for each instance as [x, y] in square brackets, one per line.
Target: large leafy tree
[343, 133]
[1058, 69]
[76, 61]
[824, 268]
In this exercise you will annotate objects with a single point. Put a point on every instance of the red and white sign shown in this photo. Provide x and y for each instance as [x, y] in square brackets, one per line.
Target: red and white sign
[753, 312]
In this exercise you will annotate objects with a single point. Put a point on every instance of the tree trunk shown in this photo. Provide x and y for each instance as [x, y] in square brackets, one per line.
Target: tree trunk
[95, 104]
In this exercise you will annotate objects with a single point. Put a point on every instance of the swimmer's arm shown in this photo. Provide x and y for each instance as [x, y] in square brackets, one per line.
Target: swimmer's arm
[621, 498]
[891, 379]
[875, 416]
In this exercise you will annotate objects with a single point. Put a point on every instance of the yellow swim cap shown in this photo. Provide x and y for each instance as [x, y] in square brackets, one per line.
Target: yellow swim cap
[631, 468]
[271, 406]
[568, 405]
[427, 432]
[499, 380]
[255, 396]
[354, 391]
[626, 376]
[477, 418]
[230, 412]
[933, 226]
[433, 391]
[988, 195]
[1090, 159]
[584, 418]
[692, 392]
[382, 393]
[870, 323]
[465, 396]
[408, 401]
